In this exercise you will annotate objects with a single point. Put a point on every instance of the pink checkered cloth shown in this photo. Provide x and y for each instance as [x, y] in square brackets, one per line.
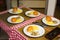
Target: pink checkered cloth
[28, 22]
[13, 34]
[15, 27]
[12, 31]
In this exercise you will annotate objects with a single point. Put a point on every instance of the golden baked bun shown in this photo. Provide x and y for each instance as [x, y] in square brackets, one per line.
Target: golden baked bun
[35, 13]
[48, 18]
[15, 9]
[13, 19]
[32, 28]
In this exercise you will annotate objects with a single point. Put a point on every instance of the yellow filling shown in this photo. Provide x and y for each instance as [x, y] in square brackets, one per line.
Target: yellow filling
[32, 28]
[34, 13]
[18, 20]
[51, 22]
[18, 10]
[31, 12]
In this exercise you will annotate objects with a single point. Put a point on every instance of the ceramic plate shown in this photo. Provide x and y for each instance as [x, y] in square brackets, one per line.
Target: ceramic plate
[40, 31]
[11, 11]
[18, 20]
[54, 19]
[29, 14]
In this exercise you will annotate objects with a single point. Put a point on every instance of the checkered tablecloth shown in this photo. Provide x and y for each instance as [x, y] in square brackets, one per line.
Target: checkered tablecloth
[13, 34]
[15, 27]
[12, 31]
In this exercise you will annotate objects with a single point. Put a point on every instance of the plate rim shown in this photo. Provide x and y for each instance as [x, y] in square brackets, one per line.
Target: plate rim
[32, 15]
[34, 36]
[10, 11]
[52, 19]
[13, 16]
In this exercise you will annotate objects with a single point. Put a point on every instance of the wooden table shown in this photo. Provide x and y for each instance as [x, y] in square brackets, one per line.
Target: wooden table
[4, 17]
[47, 29]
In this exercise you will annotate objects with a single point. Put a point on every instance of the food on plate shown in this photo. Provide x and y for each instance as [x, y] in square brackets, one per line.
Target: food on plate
[30, 13]
[34, 33]
[54, 21]
[35, 28]
[13, 19]
[35, 13]
[15, 9]
[16, 19]
[50, 21]
[32, 28]
[48, 18]
[19, 10]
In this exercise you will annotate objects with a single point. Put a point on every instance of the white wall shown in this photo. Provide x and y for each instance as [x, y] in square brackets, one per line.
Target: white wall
[51, 7]
[8, 4]
[34, 4]
[14, 3]
[28, 3]
[11, 3]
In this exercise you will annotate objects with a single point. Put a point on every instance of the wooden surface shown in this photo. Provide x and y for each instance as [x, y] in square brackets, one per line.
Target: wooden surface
[4, 17]
[47, 28]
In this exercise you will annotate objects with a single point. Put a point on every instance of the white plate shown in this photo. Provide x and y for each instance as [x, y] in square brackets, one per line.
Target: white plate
[44, 21]
[41, 31]
[11, 11]
[14, 16]
[31, 15]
